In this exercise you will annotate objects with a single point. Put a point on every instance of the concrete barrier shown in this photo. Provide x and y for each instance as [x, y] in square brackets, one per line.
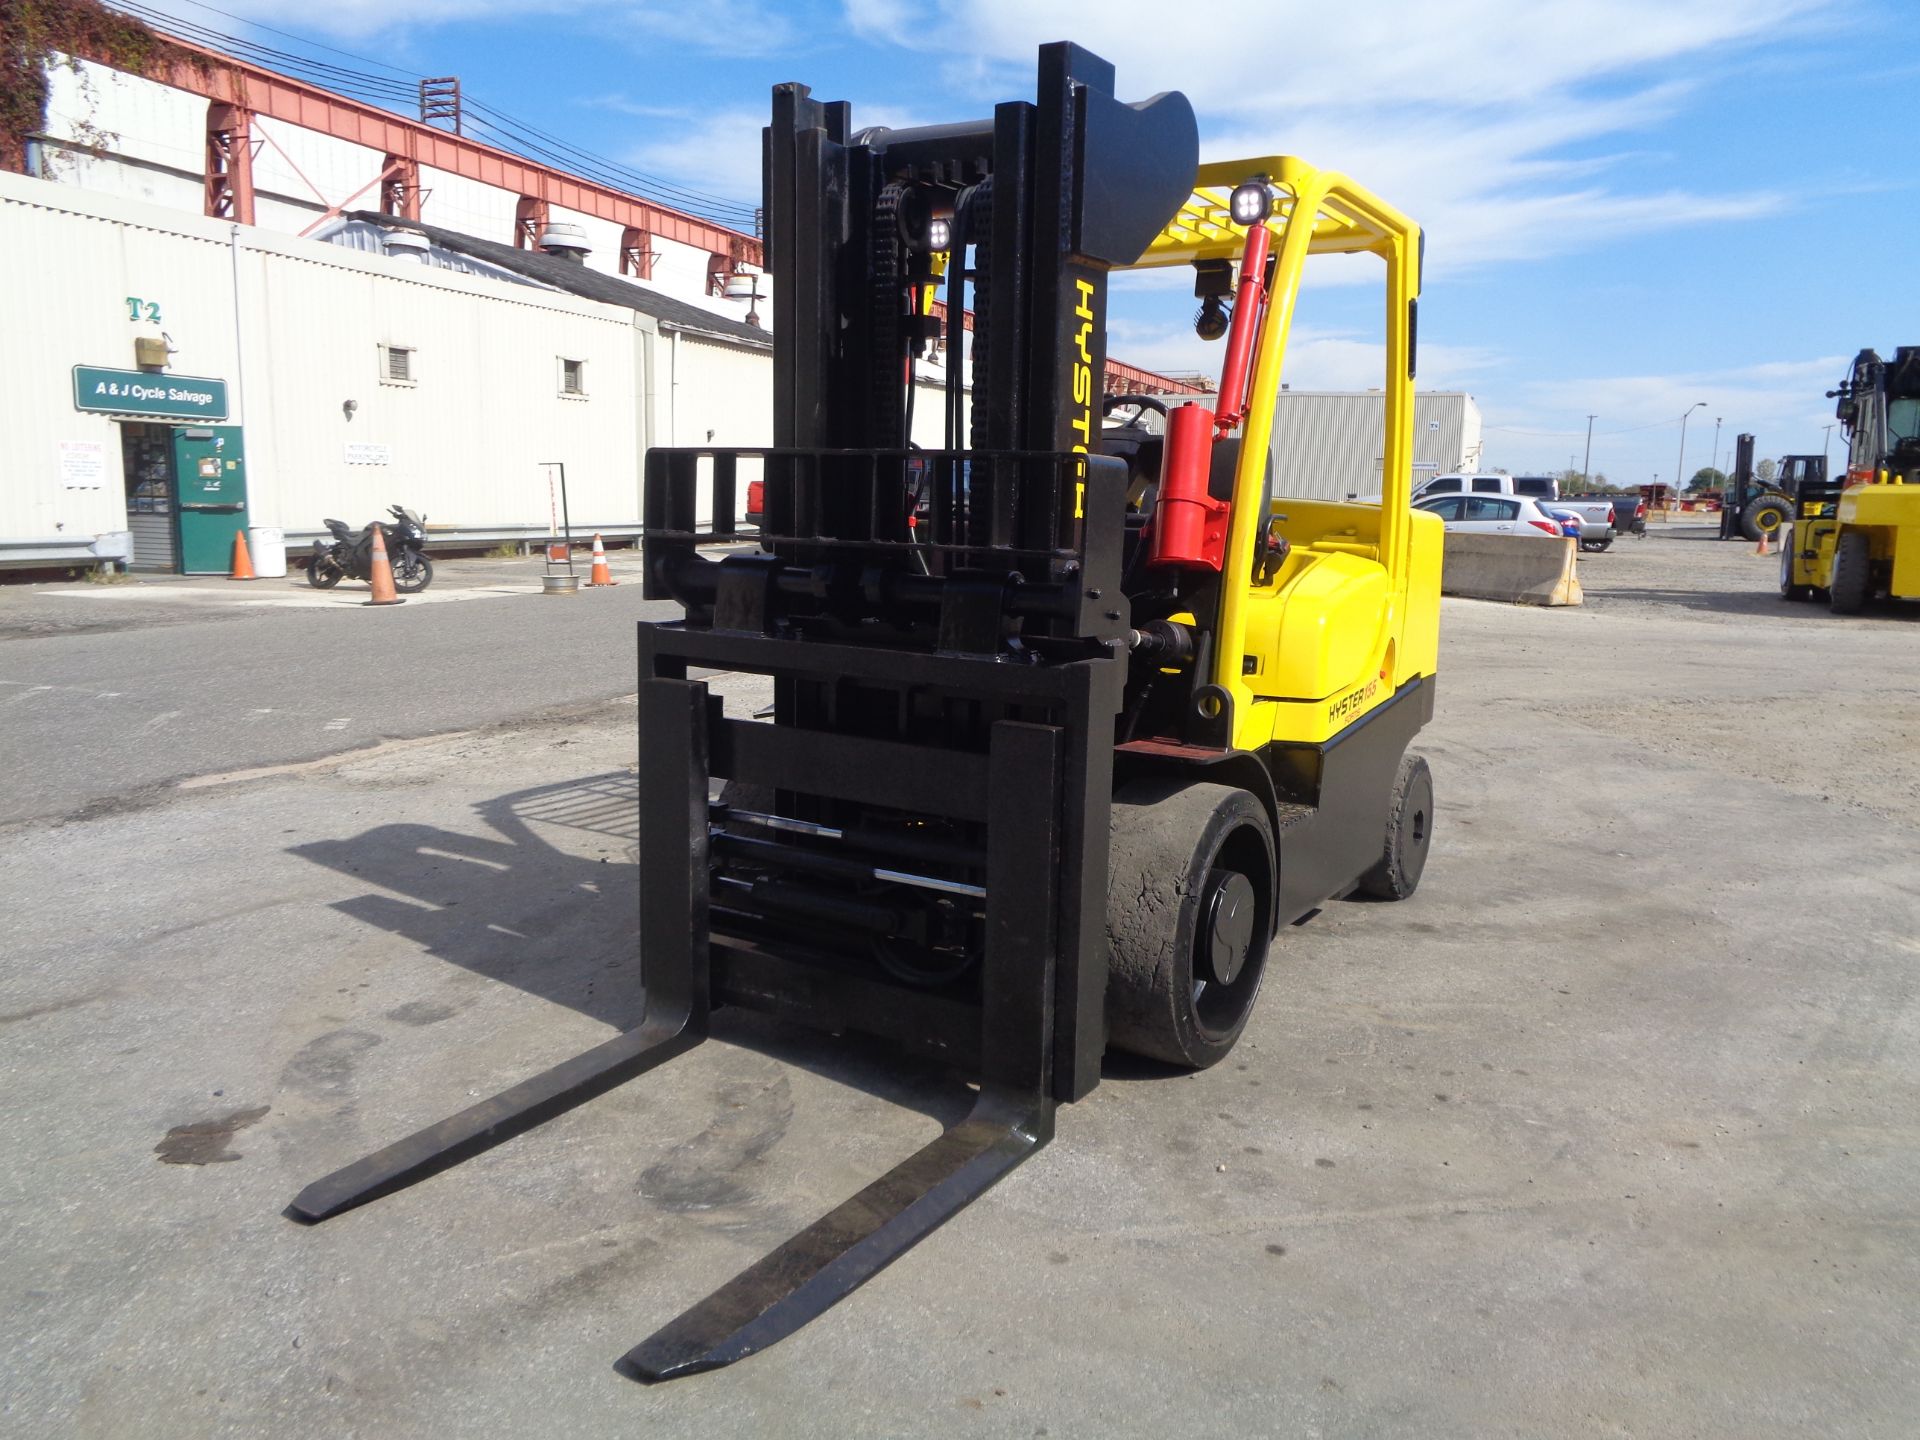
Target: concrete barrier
[1512, 568]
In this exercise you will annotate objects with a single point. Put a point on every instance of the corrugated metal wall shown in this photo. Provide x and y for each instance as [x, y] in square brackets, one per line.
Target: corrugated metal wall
[66, 305]
[465, 441]
[1327, 444]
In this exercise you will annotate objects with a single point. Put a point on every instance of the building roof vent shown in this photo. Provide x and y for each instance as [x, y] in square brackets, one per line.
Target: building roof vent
[406, 245]
[569, 242]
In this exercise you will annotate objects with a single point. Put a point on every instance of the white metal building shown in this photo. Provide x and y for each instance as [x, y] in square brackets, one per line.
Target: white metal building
[1326, 443]
[257, 303]
[337, 383]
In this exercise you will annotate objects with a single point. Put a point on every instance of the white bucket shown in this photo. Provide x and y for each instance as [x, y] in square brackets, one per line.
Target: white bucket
[268, 548]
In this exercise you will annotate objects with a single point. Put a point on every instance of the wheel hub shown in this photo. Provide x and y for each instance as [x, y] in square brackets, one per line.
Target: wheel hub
[1230, 914]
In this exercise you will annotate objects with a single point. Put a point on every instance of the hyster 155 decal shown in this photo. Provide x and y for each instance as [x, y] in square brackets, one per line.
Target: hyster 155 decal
[1352, 702]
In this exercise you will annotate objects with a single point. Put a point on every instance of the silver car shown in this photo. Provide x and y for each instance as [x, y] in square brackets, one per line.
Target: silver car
[1492, 515]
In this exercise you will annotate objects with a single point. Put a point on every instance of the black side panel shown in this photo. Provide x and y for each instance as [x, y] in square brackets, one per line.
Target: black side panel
[1353, 774]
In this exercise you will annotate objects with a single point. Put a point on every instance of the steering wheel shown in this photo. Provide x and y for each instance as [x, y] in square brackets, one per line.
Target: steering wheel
[1149, 402]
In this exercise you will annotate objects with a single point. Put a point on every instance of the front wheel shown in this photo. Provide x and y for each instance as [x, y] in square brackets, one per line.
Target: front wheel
[324, 572]
[1189, 918]
[1409, 833]
[1852, 575]
[412, 571]
[1789, 588]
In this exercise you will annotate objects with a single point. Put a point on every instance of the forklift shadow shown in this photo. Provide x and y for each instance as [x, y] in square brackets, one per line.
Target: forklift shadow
[562, 924]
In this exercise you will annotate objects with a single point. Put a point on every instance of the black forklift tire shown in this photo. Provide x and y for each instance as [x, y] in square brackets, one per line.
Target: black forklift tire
[1789, 590]
[1851, 579]
[1409, 833]
[1765, 517]
[1189, 918]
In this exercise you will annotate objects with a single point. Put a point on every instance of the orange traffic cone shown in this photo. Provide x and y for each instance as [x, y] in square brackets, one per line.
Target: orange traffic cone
[601, 575]
[383, 592]
[242, 567]
[1760, 547]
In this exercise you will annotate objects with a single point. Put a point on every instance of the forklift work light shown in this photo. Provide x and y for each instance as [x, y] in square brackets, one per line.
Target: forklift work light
[1250, 202]
[939, 233]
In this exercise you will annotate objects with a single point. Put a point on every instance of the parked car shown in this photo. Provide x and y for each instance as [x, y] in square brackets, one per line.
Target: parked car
[1492, 515]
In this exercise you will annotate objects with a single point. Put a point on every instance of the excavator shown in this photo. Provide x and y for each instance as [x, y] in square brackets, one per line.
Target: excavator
[1070, 719]
[1860, 538]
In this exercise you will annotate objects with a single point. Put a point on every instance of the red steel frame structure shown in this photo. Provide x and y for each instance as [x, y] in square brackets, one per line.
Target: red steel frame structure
[237, 91]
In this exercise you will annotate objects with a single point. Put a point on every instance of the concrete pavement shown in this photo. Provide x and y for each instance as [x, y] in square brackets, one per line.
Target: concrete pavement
[111, 693]
[1607, 1131]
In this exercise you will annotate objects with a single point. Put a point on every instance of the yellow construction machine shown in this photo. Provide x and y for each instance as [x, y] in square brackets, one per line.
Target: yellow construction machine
[1069, 720]
[1858, 539]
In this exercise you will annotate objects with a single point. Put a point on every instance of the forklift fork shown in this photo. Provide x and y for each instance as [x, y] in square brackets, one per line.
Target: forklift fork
[1013, 1113]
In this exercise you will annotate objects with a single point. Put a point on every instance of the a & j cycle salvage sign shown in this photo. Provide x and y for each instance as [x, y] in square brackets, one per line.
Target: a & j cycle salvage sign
[145, 392]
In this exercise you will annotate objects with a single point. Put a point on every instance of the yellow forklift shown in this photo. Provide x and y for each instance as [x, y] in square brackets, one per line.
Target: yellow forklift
[1069, 720]
[1859, 538]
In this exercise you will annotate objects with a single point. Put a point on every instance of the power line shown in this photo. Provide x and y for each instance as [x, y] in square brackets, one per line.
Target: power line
[510, 133]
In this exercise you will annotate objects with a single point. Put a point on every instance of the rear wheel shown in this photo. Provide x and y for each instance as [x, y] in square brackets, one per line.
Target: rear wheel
[1765, 517]
[1597, 545]
[1851, 581]
[1409, 833]
[1189, 919]
[323, 573]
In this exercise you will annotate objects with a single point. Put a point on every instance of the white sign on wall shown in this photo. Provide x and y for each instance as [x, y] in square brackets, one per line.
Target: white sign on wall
[83, 464]
[359, 454]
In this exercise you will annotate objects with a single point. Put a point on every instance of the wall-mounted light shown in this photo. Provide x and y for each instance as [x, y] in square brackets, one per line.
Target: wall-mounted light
[744, 285]
[347, 407]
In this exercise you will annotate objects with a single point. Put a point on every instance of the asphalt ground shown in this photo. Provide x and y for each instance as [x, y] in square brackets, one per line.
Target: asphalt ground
[1608, 1131]
[109, 694]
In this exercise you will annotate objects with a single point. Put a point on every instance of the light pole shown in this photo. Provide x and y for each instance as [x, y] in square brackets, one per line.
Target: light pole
[1680, 465]
[1826, 444]
[1587, 463]
[1714, 459]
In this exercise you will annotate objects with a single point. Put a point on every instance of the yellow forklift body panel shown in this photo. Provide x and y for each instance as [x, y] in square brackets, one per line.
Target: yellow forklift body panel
[1359, 640]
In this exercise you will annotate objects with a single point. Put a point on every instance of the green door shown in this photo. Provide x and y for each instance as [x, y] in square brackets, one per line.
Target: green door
[210, 479]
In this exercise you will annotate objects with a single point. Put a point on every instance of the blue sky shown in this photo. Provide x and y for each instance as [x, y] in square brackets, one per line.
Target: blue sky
[1631, 205]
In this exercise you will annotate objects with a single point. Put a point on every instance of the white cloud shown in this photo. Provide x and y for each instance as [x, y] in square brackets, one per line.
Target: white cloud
[625, 105]
[720, 152]
[1463, 113]
[1782, 403]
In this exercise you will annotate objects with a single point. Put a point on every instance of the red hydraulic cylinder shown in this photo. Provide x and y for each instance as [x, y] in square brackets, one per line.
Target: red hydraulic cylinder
[1247, 305]
[1189, 525]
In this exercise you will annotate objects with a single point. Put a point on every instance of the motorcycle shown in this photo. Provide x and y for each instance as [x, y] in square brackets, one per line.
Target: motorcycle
[350, 555]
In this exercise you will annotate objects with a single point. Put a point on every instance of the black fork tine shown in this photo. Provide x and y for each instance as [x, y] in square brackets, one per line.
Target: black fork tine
[848, 1246]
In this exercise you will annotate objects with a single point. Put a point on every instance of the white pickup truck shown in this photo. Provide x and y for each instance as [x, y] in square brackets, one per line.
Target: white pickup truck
[1543, 488]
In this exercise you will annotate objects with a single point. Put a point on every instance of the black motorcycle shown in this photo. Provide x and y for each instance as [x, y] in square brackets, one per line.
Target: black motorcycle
[350, 556]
